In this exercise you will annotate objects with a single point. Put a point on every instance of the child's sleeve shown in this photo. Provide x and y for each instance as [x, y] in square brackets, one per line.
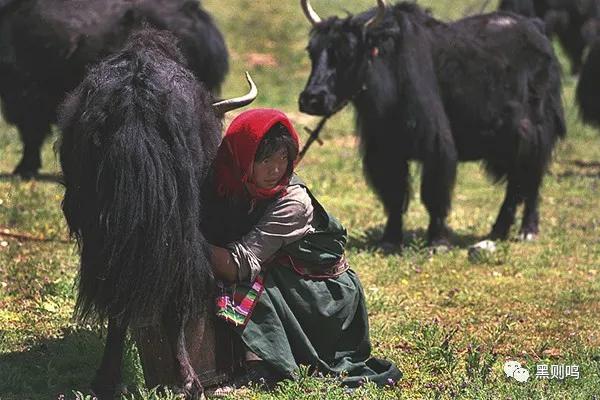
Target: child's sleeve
[286, 221]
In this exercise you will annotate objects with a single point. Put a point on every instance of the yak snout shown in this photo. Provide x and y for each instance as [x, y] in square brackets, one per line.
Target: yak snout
[316, 102]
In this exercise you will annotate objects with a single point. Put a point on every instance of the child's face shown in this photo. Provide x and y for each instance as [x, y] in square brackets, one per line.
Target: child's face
[268, 172]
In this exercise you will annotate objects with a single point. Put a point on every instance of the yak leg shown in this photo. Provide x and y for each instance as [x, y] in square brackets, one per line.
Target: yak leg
[574, 46]
[569, 35]
[33, 132]
[108, 376]
[389, 176]
[529, 225]
[437, 182]
[190, 383]
[506, 216]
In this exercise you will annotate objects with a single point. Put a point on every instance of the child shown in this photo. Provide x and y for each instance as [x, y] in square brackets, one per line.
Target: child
[293, 300]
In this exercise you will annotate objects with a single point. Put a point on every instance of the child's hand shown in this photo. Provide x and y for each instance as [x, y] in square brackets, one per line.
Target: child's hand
[223, 265]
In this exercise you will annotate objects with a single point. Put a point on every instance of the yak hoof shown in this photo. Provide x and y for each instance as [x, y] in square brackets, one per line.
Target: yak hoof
[25, 172]
[440, 244]
[494, 235]
[190, 394]
[192, 390]
[106, 391]
[440, 248]
[222, 391]
[389, 247]
[527, 236]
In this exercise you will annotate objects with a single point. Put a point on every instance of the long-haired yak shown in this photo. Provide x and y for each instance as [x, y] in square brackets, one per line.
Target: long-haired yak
[574, 22]
[486, 87]
[46, 46]
[138, 136]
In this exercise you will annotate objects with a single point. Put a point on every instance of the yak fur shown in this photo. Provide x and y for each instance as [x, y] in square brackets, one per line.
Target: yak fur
[138, 136]
[486, 87]
[46, 46]
[588, 86]
[574, 22]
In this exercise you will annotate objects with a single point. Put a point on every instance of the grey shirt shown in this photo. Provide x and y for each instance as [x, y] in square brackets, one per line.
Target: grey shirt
[286, 220]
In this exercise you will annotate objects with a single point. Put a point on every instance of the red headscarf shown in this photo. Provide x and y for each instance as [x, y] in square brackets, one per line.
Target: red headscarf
[235, 158]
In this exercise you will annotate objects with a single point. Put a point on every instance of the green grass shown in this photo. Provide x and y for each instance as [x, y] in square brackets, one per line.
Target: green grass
[447, 323]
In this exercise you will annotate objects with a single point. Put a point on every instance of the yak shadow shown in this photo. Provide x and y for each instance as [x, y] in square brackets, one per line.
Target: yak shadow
[53, 178]
[52, 367]
[572, 174]
[585, 164]
[581, 169]
[369, 239]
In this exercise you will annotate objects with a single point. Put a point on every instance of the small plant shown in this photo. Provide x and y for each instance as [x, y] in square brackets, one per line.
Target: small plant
[435, 341]
[80, 396]
[156, 393]
[479, 362]
[480, 358]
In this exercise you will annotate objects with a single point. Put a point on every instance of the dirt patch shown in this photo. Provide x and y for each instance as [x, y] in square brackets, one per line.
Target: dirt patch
[261, 59]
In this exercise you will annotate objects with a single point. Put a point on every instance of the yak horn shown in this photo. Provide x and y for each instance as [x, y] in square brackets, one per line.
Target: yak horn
[310, 13]
[378, 17]
[224, 106]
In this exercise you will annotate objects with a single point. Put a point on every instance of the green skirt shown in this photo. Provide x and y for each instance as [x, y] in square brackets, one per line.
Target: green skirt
[319, 323]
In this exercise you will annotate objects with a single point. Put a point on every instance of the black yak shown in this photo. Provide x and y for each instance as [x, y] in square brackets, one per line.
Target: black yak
[138, 136]
[46, 45]
[4, 5]
[588, 86]
[486, 87]
[574, 22]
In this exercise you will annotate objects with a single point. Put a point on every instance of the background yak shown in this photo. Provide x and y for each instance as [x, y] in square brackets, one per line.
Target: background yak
[574, 22]
[588, 86]
[485, 87]
[138, 136]
[4, 5]
[46, 45]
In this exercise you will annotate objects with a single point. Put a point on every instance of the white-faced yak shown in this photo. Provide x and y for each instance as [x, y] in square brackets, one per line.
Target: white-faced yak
[574, 22]
[485, 88]
[46, 46]
[138, 136]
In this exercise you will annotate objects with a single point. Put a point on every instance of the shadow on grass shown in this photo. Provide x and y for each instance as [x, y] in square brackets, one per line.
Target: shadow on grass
[416, 239]
[54, 366]
[583, 169]
[578, 174]
[585, 164]
[54, 178]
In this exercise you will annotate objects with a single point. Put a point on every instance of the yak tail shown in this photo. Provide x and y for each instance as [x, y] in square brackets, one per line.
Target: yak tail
[588, 87]
[554, 119]
[133, 162]
[537, 141]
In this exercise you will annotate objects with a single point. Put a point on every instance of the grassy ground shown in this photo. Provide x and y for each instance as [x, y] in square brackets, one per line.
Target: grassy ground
[447, 323]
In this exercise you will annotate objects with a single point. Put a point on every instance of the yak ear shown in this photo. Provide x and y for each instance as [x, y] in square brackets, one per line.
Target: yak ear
[420, 90]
